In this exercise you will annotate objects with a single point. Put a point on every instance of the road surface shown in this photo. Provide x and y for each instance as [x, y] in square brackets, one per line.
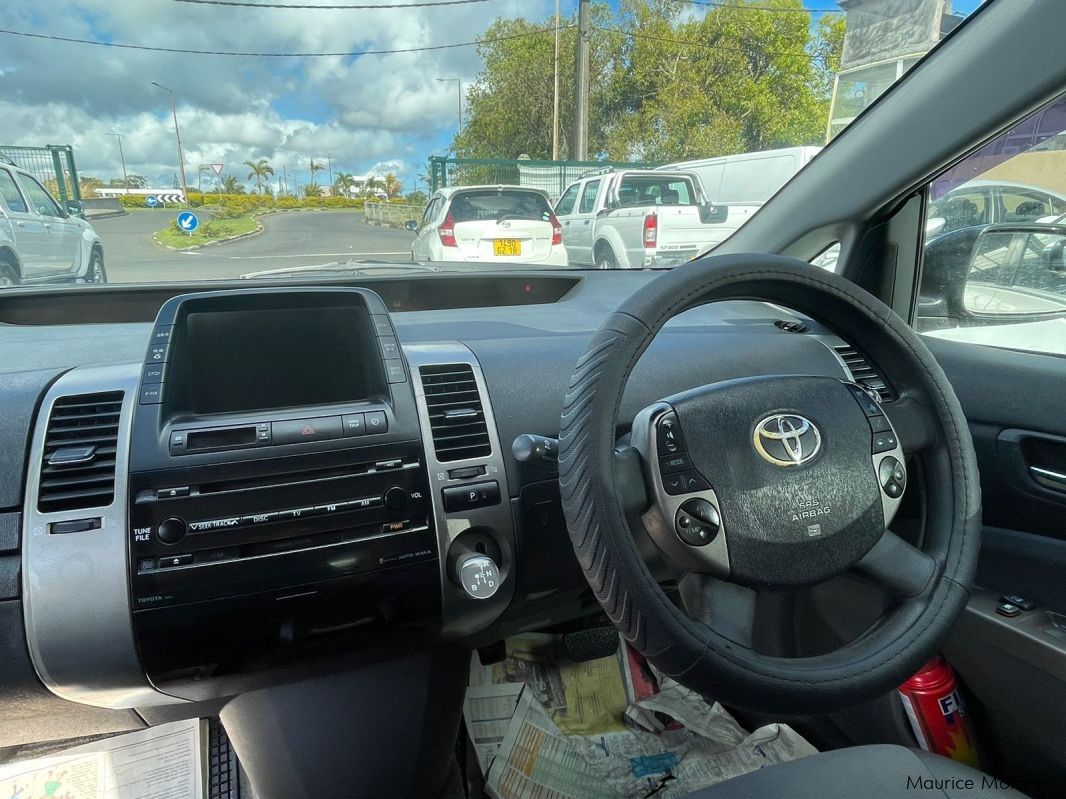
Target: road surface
[292, 238]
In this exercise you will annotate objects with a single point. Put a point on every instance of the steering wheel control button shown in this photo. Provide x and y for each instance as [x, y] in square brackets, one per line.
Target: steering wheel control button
[697, 522]
[703, 510]
[869, 405]
[672, 464]
[172, 530]
[668, 434]
[879, 424]
[478, 576]
[674, 484]
[468, 497]
[884, 442]
[892, 476]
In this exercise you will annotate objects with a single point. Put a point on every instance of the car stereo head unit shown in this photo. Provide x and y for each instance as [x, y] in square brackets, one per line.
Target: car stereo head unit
[278, 488]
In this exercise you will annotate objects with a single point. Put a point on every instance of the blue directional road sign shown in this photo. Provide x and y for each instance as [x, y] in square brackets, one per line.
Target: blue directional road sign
[187, 221]
[151, 201]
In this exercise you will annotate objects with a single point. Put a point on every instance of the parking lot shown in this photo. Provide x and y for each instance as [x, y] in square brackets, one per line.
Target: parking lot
[288, 239]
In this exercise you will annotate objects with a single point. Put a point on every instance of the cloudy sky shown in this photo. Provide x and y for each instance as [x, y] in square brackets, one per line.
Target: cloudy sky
[383, 113]
[371, 112]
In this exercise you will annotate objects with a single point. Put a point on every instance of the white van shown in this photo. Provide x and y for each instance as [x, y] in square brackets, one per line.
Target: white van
[743, 182]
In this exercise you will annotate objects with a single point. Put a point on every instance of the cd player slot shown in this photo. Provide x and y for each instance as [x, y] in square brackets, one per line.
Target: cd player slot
[305, 476]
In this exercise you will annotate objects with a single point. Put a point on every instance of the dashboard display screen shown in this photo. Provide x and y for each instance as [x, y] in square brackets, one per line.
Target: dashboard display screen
[261, 359]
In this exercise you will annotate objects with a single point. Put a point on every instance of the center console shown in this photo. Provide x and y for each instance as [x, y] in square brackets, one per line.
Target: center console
[286, 487]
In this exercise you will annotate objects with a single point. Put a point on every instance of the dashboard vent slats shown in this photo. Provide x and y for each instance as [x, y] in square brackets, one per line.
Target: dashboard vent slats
[864, 371]
[80, 448]
[456, 416]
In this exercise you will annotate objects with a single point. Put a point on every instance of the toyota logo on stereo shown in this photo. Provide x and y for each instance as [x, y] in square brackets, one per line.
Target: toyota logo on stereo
[787, 439]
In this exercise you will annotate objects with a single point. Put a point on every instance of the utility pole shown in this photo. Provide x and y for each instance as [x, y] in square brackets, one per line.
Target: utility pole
[177, 135]
[122, 157]
[285, 179]
[329, 157]
[459, 89]
[579, 148]
[555, 95]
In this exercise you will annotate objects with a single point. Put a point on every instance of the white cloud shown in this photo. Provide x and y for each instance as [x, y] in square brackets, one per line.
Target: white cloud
[364, 111]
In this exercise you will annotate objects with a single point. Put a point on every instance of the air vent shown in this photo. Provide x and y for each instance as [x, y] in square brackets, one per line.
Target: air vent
[864, 371]
[78, 467]
[456, 417]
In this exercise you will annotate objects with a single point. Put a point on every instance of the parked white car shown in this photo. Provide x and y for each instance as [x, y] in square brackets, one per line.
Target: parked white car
[636, 218]
[41, 241]
[490, 224]
[742, 183]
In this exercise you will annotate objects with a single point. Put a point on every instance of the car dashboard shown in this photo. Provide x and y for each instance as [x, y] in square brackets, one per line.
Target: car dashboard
[216, 489]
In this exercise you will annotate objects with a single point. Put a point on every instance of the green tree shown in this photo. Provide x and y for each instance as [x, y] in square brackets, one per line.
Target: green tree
[392, 185]
[342, 183]
[135, 182]
[315, 166]
[416, 197]
[259, 171]
[664, 85]
[230, 185]
[312, 190]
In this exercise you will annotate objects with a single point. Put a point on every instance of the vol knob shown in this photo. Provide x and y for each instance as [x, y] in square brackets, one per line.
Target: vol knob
[395, 498]
[478, 576]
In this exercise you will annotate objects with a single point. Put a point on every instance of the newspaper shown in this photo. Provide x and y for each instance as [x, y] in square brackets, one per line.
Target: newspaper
[163, 762]
[535, 759]
[488, 710]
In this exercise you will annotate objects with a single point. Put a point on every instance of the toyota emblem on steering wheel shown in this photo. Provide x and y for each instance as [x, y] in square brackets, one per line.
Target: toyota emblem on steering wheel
[787, 439]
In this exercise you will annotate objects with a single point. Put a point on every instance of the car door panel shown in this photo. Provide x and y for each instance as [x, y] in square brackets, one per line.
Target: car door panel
[1015, 668]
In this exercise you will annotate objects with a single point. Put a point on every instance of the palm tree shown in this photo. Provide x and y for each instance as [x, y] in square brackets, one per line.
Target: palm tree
[392, 185]
[343, 183]
[260, 169]
[312, 190]
[315, 167]
[230, 185]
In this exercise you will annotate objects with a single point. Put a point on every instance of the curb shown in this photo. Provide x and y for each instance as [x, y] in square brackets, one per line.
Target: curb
[227, 240]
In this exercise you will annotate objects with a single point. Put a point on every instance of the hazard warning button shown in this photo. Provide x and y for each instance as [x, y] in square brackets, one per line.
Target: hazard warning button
[295, 431]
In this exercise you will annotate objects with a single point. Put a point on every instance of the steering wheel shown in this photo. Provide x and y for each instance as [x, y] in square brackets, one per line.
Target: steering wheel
[779, 481]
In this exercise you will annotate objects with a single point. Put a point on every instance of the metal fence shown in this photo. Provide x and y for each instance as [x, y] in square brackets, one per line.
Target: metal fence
[53, 165]
[550, 176]
[392, 214]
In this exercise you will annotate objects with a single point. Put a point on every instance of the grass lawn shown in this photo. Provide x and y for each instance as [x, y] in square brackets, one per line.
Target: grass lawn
[215, 230]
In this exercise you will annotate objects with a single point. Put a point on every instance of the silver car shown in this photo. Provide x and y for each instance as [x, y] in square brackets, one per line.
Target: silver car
[40, 240]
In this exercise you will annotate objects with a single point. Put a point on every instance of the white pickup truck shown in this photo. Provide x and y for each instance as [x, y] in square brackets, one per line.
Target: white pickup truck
[633, 219]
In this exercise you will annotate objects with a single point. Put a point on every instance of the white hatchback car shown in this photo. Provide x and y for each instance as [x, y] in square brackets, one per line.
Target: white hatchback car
[40, 241]
[491, 224]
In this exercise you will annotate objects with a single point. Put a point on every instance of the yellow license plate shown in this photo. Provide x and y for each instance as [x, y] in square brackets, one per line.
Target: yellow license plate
[506, 247]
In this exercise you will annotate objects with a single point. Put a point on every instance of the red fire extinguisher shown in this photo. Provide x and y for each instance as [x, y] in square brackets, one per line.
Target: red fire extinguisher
[936, 712]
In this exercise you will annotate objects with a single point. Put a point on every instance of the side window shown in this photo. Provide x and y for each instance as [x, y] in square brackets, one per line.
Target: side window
[565, 206]
[994, 255]
[588, 197]
[13, 198]
[40, 199]
[1024, 206]
[429, 213]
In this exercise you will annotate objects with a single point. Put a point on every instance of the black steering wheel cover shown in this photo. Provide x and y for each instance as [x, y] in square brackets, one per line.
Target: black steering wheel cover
[606, 549]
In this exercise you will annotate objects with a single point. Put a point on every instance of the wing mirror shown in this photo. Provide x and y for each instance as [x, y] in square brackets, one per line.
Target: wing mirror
[410, 224]
[75, 208]
[1005, 270]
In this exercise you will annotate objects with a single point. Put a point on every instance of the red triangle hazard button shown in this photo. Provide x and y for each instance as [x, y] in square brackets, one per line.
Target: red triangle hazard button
[307, 431]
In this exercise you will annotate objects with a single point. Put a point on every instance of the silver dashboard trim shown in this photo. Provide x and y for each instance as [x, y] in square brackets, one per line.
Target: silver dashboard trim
[75, 586]
[462, 615]
[658, 519]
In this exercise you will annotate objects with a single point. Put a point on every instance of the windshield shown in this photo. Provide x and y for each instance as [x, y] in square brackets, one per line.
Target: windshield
[179, 140]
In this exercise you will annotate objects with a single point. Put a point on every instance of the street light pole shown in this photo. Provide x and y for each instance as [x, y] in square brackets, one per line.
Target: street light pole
[122, 157]
[177, 135]
[579, 147]
[329, 158]
[459, 88]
